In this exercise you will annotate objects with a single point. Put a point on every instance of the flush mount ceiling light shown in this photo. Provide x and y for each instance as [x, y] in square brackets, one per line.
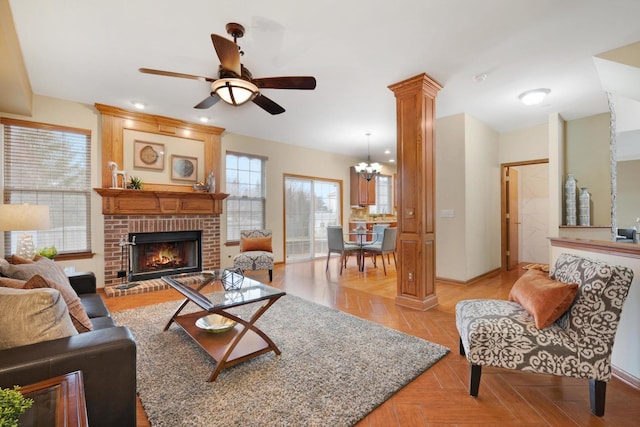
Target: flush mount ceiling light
[139, 105]
[534, 97]
[368, 170]
[234, 91]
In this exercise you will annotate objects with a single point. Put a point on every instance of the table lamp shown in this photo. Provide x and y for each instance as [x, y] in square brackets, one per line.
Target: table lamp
[24, 218]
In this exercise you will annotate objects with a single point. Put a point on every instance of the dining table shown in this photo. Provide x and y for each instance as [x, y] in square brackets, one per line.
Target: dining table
[361, 240]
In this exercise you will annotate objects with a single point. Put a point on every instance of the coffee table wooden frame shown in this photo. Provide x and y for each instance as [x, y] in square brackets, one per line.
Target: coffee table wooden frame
[241, 343]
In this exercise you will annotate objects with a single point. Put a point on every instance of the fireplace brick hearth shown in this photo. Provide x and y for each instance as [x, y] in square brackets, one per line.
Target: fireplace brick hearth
[117, 226]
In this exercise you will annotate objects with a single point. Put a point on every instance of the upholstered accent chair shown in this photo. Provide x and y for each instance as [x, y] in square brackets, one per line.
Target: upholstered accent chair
[336, 244]
[578, 344]
[256, 252]
[386, 247]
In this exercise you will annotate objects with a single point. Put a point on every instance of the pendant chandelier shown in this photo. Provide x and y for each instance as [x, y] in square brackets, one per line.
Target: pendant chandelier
[368, 170]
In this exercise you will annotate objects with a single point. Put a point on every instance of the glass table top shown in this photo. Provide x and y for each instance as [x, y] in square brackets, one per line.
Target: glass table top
[250, 290]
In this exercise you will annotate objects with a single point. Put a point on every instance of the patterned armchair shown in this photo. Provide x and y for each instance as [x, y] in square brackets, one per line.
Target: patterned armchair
[256, 252]
[579, 344]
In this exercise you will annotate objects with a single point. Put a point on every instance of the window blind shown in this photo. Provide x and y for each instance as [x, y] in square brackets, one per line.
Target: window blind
[245, 184]
[50, 165]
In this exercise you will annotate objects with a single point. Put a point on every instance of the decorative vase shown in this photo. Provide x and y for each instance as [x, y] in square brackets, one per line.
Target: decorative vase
[570, 200]
[585, 207]
[211, 182]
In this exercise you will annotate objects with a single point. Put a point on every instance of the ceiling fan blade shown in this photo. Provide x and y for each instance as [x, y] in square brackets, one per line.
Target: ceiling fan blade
[268, 105]
[172, 74]
[227, 53]
[208, 102]
[290, 82]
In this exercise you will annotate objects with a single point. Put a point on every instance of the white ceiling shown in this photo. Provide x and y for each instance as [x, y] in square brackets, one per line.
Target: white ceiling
[90, 51]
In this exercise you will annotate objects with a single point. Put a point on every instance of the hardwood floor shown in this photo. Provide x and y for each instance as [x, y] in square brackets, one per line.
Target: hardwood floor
[438, 397]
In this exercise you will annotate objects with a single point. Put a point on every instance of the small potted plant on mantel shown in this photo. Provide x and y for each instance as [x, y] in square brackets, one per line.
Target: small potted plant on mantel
[12, 405]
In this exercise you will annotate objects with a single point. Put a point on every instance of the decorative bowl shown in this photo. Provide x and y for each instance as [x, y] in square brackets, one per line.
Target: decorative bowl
[215, 323]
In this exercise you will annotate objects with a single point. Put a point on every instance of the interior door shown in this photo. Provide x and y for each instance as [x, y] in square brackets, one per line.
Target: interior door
[512, 217]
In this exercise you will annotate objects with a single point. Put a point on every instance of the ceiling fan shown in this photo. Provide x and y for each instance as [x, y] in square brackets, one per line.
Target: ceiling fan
[234, 84]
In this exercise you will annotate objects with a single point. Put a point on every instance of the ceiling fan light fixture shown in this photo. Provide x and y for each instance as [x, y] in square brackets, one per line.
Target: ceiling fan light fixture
[234, 91]
[534, 97]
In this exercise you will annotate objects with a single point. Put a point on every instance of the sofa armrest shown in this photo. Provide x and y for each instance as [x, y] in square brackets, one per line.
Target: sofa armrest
[83, 283]
[107, 359]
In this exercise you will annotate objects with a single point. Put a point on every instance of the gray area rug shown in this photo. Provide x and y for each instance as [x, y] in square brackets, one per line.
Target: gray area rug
[334, 369]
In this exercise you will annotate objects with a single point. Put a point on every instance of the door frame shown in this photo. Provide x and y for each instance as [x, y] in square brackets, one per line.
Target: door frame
[503, 206]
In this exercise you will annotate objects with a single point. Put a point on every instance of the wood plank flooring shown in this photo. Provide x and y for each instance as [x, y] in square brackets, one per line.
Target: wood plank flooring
[438, 397]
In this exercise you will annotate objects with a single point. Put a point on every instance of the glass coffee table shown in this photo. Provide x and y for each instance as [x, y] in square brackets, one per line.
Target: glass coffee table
[228, 338]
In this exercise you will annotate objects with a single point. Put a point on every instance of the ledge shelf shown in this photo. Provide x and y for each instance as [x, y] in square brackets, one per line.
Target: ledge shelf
[117, 201]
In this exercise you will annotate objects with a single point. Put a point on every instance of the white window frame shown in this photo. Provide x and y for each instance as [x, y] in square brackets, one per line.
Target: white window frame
[246, 185]
[36, 151]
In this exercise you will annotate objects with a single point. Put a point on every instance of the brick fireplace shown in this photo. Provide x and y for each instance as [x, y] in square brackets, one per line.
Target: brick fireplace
[154, 211]
[117, 226]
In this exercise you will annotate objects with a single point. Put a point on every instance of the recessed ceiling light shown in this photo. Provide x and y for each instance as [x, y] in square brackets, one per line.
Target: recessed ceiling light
[204, 119]
[387, 151]
[479, 78]
[139, 105]
[534, 97]
[392, 160]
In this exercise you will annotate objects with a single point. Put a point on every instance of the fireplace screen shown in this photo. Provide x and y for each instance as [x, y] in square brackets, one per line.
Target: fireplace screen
[159, 254]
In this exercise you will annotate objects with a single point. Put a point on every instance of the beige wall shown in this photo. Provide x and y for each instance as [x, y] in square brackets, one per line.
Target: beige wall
[628, 197]
[587, 158]
[287, 159]
[482, 195]
[468, 186]
[524, 144]
[450, 190]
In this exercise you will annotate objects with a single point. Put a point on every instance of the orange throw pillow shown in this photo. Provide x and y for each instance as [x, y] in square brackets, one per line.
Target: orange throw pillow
[543, 298]
[256, 244]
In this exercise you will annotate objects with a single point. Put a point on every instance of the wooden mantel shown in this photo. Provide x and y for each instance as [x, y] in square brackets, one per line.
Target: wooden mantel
[117, 201]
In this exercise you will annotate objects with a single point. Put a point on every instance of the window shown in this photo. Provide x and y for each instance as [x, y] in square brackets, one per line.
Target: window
[245, 184]
[383, 196]
[310, 205]
[50, 165]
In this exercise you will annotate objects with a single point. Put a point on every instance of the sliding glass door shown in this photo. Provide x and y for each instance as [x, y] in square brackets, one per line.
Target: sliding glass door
[310, 205]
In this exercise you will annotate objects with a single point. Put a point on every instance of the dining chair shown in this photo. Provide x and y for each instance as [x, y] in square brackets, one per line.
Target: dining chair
[388, 246]
[336, 243]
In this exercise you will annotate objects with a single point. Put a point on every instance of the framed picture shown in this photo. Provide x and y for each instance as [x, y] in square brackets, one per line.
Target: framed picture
[148, 155]
[184, 168]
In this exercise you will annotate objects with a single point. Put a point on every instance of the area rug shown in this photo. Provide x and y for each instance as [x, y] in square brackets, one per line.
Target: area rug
[334, 369]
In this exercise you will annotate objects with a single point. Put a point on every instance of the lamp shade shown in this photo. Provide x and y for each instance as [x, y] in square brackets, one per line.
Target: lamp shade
[24, 217]
[234, 91]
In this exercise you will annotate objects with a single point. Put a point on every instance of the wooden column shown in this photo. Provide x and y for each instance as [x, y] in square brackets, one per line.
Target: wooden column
[415, 106]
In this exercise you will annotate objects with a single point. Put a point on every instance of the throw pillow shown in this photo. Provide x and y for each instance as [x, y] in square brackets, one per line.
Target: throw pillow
[31, 316]
[256, 244]
[77, 312]
[15, 260]
[43, 266]
[7, 282]
[543, 298]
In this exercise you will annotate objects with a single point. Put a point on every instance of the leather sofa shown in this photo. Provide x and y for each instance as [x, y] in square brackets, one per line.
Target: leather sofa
[106, 356]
